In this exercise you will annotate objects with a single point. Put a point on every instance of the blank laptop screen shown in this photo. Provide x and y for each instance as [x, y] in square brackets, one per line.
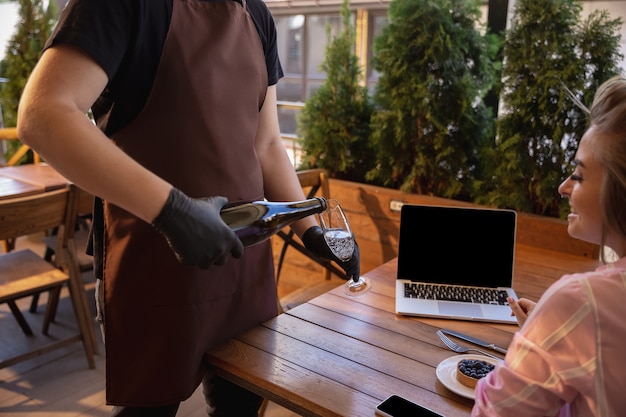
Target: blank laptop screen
[453, 245]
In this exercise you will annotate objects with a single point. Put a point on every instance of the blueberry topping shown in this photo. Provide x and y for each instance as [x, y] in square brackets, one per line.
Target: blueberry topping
[475, 368]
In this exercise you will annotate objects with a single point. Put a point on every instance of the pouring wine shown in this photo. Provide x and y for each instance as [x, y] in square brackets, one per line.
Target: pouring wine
[340, 241]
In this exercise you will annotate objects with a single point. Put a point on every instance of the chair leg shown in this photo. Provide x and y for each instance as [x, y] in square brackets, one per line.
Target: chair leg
[8, 245]
[35, 300]
[48, 257]
[81, 309]
[83, 325]
[20, 318]
[33, 303]
[263, 407]
[287, 239]
[51, 308]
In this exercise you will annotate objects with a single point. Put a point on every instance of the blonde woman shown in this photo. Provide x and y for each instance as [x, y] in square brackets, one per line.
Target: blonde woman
[568, 357]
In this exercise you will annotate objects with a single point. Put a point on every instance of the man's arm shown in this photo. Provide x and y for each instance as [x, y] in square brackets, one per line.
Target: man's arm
[281, 184]
[279, 176]
[52, 120]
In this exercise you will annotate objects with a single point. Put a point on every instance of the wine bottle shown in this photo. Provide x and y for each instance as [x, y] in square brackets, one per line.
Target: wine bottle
[257, 221]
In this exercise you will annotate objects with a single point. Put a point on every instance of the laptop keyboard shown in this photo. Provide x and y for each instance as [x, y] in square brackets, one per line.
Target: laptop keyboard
[455, 293]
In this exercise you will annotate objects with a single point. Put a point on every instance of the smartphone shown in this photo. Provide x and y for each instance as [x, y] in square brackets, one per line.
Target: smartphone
[396, 406]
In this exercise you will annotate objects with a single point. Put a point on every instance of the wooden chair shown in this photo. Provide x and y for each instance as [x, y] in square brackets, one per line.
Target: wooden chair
[80, 235]
[24, 273]
[10, 133]
[313, 182]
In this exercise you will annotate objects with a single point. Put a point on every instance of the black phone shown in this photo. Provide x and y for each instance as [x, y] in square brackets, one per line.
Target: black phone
[396, 406]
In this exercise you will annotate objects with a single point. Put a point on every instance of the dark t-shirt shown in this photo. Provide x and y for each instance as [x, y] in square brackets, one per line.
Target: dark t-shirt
[125, 37]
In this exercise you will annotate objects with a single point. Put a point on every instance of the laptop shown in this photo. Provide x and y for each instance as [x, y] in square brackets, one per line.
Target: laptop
[456, 263]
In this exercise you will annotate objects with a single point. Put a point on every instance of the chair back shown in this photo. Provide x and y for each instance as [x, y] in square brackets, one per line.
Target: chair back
[79, 233]
[84, 202]
[314, 182]
[35, 213]
[24, 273]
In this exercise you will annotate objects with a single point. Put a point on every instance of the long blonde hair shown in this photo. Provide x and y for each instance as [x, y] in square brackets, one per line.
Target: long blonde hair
[608, 116]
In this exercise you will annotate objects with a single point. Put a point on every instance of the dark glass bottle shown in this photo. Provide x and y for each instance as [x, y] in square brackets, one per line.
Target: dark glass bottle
[257, 221]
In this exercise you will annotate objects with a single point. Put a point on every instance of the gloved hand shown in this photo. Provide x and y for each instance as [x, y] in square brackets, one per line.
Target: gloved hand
[195, 231]
[314, 241]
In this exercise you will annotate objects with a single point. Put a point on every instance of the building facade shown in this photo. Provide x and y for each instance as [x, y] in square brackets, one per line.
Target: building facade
[302, 39]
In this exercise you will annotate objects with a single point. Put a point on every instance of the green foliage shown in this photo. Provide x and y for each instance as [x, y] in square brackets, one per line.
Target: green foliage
[334, 123]
[22, 53]
[548, 51]
[432, 123]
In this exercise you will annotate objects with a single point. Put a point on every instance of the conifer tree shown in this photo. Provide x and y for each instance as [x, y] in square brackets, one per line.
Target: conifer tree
[436, 66]
[550, 54]
[23, 51]
[334, 123]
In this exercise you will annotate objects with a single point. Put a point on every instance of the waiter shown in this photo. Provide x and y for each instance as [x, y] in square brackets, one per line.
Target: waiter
[184, 97]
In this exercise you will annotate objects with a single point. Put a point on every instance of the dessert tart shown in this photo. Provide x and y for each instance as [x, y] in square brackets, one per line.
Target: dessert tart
[469, 371]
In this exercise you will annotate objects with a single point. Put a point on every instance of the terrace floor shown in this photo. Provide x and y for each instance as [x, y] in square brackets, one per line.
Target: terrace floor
[59, 383]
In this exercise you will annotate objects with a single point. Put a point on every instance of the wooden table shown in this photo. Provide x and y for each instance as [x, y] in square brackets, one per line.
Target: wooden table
[23, 180]
[42, 176]
[11, 188]
[339, 356]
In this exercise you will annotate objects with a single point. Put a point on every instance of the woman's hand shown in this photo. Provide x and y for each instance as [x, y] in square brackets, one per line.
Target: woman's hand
[521, 309]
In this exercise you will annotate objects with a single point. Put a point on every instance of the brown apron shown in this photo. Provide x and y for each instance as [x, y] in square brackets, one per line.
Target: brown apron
[197, 131]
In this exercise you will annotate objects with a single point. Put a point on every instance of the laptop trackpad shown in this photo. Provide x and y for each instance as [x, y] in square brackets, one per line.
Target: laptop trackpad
[459, 310]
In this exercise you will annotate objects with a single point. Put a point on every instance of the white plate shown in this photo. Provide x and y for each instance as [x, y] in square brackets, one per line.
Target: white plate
[446, 373]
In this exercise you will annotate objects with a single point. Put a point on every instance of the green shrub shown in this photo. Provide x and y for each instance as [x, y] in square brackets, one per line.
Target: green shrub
[431, 122]
[547, 51]
[22, 53]
[334, 123]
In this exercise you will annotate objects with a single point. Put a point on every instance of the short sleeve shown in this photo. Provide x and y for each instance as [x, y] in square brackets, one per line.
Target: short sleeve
[264, 22]
[101, 29]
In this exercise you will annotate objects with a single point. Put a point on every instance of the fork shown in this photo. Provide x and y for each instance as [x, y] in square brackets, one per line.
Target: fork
[460, 349]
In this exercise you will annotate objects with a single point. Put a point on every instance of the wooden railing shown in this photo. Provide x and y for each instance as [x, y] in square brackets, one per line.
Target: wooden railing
[292, 142]
[10, 133]
[375, 219]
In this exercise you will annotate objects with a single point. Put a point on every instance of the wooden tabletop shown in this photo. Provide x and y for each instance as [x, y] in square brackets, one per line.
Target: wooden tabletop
[41, 175]
[21, 180]
[341, 356]
[12, 188]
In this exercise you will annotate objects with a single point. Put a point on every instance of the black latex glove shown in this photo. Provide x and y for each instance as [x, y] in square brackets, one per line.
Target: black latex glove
[195, 230]
[314, 241]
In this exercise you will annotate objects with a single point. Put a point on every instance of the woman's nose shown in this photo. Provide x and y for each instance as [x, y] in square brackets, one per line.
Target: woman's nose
[564, 188]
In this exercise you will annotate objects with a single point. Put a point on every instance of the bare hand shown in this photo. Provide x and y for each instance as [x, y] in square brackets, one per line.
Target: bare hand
[521, 309]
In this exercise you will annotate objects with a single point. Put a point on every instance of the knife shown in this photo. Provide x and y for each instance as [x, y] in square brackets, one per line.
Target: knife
[474, 340]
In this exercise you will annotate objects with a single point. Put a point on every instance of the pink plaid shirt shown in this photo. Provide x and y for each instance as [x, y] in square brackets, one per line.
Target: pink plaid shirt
[569, 358]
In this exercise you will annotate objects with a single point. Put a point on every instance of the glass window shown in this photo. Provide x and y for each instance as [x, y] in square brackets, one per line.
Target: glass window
[302, 43]
[317, 39]
[377, 22]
